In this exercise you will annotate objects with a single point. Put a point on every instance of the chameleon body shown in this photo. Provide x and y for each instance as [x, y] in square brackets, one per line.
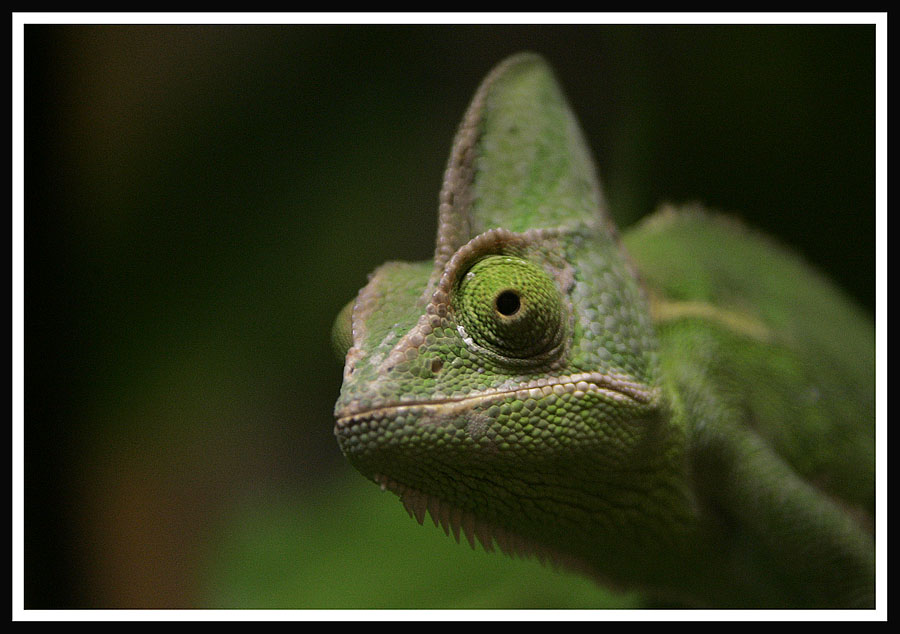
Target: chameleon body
[687, 410]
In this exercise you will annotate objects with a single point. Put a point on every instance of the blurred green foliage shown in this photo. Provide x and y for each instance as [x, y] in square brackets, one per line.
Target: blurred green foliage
[200, 203]
[344, 547]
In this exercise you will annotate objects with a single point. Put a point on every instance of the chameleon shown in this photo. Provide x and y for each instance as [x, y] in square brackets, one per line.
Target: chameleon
[685, 409]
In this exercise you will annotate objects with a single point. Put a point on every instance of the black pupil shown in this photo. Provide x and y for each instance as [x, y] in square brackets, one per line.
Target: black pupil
[508, 303]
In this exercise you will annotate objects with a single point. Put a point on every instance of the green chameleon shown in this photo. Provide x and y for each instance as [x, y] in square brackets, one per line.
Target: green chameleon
[687, 410]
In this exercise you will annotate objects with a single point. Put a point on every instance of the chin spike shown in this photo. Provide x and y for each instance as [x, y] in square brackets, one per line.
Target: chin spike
[483, 532]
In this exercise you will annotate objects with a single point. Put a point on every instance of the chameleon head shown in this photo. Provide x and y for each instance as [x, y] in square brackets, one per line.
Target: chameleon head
[485, 399]
[500, 384]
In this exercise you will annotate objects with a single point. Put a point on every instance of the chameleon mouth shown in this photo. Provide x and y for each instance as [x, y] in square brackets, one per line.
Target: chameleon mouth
[619, 388]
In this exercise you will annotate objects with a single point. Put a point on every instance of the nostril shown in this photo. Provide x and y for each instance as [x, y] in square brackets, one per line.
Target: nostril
[436, 365]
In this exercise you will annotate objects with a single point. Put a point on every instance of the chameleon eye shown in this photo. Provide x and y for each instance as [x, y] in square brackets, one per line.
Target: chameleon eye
[508, 303]
[511, 307]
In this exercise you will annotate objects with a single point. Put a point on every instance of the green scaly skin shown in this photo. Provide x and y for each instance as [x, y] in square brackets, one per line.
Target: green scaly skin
[688, 410]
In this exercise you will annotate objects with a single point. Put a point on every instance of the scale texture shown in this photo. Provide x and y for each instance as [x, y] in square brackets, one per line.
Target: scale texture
[687, 410]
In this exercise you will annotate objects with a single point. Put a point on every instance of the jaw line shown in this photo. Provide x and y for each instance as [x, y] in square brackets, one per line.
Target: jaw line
[619, 388]
[454, 520]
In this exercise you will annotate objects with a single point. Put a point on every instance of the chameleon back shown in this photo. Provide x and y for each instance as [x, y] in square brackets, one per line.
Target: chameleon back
[792, 355]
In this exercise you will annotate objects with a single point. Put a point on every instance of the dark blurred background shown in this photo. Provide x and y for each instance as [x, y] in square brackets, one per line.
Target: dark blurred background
[200, 201]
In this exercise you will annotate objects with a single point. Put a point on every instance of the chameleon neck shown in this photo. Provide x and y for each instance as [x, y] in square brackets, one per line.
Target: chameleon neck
[743, 550]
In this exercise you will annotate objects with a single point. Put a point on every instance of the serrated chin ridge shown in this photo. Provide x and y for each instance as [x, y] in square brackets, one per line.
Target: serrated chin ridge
[454, 520]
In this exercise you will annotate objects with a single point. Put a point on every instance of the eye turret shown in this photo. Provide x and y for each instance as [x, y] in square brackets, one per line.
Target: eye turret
[510, 307]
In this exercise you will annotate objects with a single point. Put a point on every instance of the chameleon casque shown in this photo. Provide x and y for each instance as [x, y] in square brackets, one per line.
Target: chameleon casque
[687, 410]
